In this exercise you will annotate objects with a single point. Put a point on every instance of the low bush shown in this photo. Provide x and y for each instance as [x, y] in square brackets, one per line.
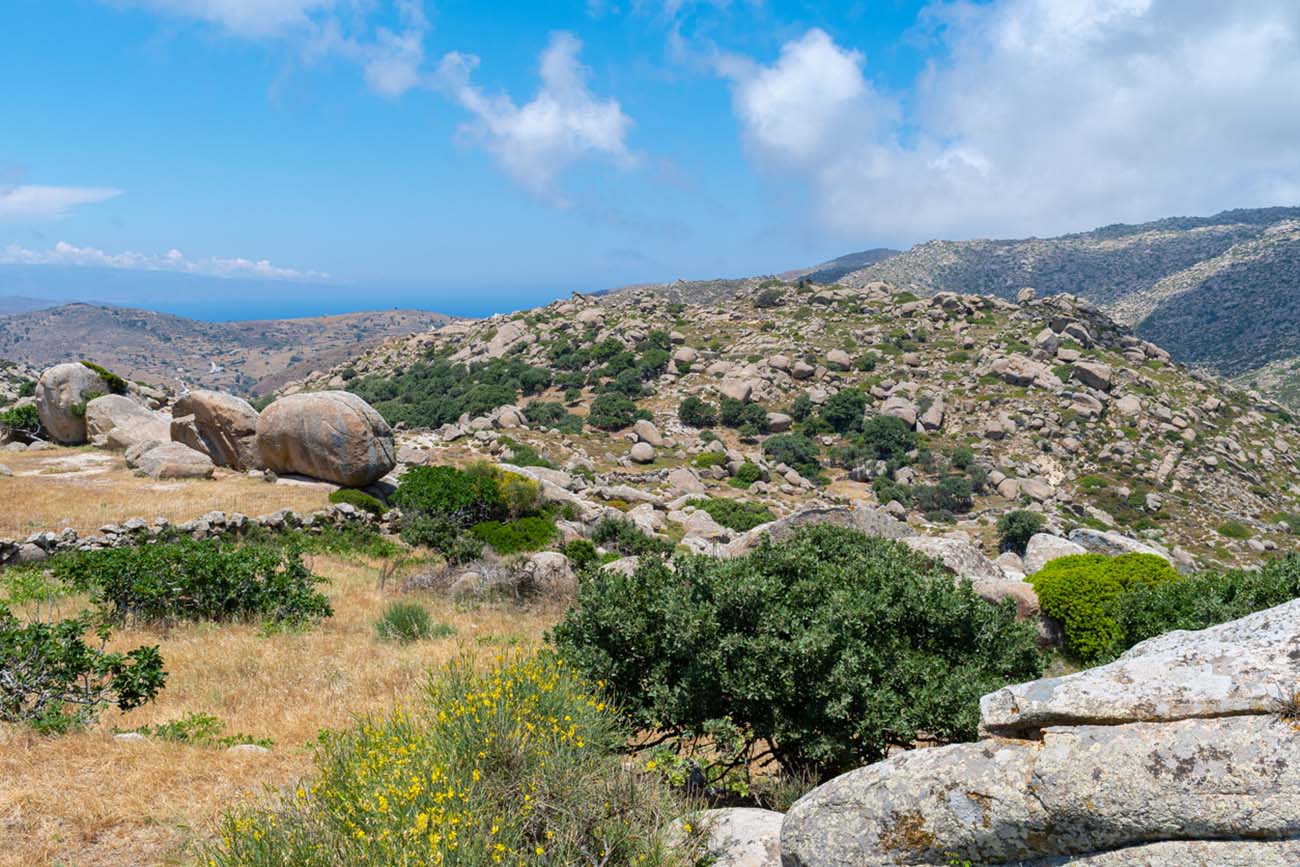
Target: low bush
[704, 460]
[1081, 591]
[611, 412]
[843, 410]
[460, 497]
[51, 679]
[1015, 529]
[404, 622]
[1234, 530]
[746, 474]
[197, 580]
[197, 729]
[1204, 599]
[523, 454]
[625, 537]
[770, 297]
[21, 422]
[694, 412]
[742, 415]
[115, 383]
[531, 533]
[441, 535]
[552, 414]
[520, 764]
[824, 649]
[360, 499]
[736, 514]
[797, 451]
[581, 553]
[888, 438]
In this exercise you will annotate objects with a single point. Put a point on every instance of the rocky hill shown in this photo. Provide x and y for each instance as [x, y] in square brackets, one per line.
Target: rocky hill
[1046, 405]
[1216, 291]
[249, 357]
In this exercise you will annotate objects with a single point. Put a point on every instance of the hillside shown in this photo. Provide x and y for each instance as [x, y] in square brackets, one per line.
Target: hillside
[1216, 291]
[248, 357]
[1048, 405]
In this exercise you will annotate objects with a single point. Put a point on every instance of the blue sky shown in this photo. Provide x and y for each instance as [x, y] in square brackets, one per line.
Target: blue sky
[471, 156]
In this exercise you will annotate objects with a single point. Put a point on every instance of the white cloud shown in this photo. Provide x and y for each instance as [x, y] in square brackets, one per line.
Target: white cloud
[64, 253]
[27, 201]
[563, 123]
[1041, 116]
[390, 59]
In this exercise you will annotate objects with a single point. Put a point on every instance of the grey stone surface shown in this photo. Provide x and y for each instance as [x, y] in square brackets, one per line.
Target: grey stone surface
[1078, 791]
[222, 426]
[1043, 548]
[1238, 667]
[1112, 544]
[117, 423]
[174, 461]
[330, 435]
[735, 836]
[60, 392]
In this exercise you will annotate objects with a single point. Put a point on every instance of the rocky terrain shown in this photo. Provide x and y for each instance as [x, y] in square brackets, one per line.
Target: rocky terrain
[1215, 291]
[1062, 411]
[250, 357]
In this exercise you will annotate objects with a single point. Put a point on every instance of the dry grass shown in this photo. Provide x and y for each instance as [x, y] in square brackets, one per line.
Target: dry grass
[86, 489]
[88, 800]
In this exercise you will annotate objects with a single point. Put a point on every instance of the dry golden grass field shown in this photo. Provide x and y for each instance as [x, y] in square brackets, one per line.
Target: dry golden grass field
[85, 489]
[88, 800]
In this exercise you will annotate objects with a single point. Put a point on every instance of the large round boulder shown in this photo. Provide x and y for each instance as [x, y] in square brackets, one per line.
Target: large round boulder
[330, 435]
[117, 422]
[61, 395]
[220, 425]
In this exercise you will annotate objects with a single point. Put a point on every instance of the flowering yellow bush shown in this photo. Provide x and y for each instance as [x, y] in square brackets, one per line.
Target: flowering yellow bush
[518, 765]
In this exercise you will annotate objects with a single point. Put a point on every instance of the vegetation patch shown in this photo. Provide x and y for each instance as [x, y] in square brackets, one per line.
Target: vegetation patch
[819, 652]
[360, 499]
[197, 729]
[531, 533]
[404, 622]
[521, 764]
[736, 514]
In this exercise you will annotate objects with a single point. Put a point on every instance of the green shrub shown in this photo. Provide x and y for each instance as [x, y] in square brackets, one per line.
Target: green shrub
[746, 474]
[704, 460]
[1081, 592]
[581, 553]
[115, 383]
[1234, 530]
[952, 494]
[694, 412]
[197, 729]
[523, 454]
[52, 679]
[531, 533]
[1016, 527]
[628, 539]
[521, 764]
[888, 438]
[738, 414]
[736, 514]
[830, 647]
[404, 622]
[611, 412]
[459, 497]
[843, 410]
[360, 499]
[197, 580]
[795, 450]
[552, 414]
[768, 298]
[1204, 599]
[21, 421]
[437, 391]
[802, 407]
[962, 457]
[441, 535]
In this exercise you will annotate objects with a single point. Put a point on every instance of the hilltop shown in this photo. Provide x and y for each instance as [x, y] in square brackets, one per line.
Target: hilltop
[250, 357]
[1048, 405]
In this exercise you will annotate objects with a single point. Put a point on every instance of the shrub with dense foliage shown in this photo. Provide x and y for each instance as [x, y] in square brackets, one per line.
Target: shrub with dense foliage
[694, 412]
[521, 764]
[529, 533]
[460, 497]
[552, 414]
[455, 511]
[53, 680]
[625, 537]
[826, 648]
[360, 499]
[611, 412]
[438, 391]
[1082, 591]
[405, 622]
[844, 409]
[197, 580]
[21, 422]
[115, 383]
[1017, 527]
[736, 514]
[795, 450]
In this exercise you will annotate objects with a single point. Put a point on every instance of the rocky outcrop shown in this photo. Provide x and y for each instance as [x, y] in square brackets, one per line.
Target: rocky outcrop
[330, 435]
[1078, 791]
[1175, 754]
[174, 461]
[116, 422]
[220, 425]
[1043, 548]
[61, 395]
[733, 836]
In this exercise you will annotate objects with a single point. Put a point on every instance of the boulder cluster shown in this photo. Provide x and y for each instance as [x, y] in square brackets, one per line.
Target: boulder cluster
[334, 436]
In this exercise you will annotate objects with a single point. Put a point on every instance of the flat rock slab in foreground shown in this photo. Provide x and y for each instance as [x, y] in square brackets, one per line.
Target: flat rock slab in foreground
[1243, 666]
[1080, 791]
